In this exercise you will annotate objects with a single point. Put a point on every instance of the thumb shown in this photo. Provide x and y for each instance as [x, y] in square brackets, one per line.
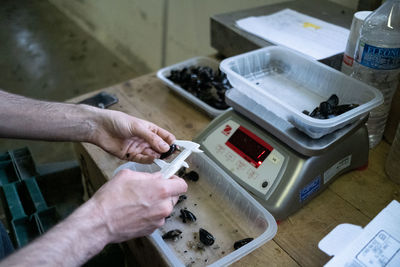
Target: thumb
[155, 141]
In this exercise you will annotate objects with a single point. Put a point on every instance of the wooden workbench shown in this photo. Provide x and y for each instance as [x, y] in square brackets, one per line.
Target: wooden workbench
[355, 198]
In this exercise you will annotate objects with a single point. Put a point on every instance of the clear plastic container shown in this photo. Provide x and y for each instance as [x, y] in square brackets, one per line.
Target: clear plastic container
[163, 73]
[287, 83]
[222, 207]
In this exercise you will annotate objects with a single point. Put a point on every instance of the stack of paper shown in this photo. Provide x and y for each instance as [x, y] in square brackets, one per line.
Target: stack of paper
[378, 244]
[300, 32]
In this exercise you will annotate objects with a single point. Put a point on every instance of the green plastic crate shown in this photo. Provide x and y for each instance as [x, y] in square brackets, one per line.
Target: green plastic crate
[16, 165]
[25, 230]
[28, 192]
[7, 172]
[23, 163]
[47, 218]
[35, 194]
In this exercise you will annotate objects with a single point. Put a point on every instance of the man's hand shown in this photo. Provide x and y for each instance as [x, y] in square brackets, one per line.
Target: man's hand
[118, 133]
[134, 204]
[130, 138]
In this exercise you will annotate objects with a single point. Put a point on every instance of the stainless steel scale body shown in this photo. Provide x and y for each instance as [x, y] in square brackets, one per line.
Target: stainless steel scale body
[279, 165]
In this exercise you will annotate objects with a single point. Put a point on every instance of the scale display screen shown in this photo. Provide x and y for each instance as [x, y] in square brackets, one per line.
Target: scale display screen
[249, 146]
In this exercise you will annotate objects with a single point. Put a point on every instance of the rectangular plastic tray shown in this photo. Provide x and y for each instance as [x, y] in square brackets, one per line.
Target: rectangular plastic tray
[25, 229]
[36, 195]
[14, 202]
[163, 73]
[47, 218]
[222, 207]
[7, 172]
[16, 165]
[23, 163]
[286, 82]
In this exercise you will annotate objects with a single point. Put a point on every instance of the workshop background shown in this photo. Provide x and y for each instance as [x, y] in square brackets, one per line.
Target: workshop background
[156, 33]
[56, 50]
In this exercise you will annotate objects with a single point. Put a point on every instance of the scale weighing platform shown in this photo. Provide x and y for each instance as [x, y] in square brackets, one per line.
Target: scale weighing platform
[279, 165]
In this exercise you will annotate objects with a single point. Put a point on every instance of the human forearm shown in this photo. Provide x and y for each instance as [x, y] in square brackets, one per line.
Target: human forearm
[22, 117]
[70, 243]
[120, 134]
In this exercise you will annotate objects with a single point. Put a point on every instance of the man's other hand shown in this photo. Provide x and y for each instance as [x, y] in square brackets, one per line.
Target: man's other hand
[130, 138]
[134, 204]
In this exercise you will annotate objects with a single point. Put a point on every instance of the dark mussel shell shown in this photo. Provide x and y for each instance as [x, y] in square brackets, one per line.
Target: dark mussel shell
[181, 198]
[171, 150]
[192, 175]
[201, 82]
[242, 242]
[187, 216]
[344, 108]
[330, 108]
[181, 172]
[206, 238]
[333, 100]
[325, 109]
[173, 234]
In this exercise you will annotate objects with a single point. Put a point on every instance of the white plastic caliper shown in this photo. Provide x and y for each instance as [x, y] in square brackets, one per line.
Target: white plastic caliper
[169, 169]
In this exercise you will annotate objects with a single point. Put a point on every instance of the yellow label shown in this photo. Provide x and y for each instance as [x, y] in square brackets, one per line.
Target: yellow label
[310, 25]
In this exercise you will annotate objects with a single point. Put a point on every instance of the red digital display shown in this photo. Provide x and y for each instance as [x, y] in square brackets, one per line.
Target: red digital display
[249, 146]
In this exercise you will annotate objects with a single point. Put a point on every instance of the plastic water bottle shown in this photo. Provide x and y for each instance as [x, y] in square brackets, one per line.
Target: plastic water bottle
[348, 56]
[377, 61]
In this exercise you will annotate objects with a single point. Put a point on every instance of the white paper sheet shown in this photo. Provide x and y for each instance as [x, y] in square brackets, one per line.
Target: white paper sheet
[378, 244]
[300, 32]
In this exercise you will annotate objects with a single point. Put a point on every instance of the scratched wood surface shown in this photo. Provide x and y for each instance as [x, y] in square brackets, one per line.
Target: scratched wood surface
[355, 197]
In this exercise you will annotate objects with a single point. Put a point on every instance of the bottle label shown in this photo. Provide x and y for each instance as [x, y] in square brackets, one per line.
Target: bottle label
[379, 58]
[348, 60]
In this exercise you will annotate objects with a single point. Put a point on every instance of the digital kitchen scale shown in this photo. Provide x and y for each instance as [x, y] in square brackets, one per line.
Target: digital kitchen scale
[279, 165]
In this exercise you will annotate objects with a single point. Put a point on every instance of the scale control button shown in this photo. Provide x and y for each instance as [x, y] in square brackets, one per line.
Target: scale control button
[264, 184]
[274, 159]
[229, 156]
[220, 149]
[240, 165]
[252, 174]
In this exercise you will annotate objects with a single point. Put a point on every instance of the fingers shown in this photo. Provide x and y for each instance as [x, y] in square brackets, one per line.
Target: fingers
[174, 200]
[146, 156]
[157, 137]
[167, 188]
[134, 203]
[157, 142]
[164, 134]
[145, 159]
[174, 186]
[140, 151]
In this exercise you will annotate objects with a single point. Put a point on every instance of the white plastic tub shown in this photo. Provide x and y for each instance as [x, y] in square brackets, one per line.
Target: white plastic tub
[163, 73]
[223, 208]
[286, 82]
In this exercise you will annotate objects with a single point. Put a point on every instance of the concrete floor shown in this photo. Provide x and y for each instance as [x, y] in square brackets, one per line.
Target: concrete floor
[44, 55]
